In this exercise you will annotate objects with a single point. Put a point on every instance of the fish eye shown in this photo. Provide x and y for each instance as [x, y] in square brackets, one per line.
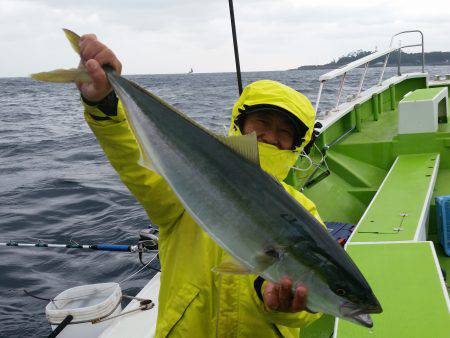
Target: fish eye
[340, 292]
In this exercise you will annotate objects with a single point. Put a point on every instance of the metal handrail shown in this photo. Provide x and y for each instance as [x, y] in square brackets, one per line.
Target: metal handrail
[407, 46]
[355, 64]
[342, 71]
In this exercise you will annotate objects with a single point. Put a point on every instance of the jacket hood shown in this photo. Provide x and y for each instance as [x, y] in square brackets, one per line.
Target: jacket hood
[267, 92]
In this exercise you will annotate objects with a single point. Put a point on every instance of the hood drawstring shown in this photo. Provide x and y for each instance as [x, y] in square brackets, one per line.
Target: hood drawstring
[310, 161]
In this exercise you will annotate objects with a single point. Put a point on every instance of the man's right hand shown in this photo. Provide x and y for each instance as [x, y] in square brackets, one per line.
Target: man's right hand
[94, 54]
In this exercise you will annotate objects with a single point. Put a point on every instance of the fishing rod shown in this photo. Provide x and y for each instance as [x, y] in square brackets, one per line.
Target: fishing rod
[148, 243]
[141, 246]
[236, 51]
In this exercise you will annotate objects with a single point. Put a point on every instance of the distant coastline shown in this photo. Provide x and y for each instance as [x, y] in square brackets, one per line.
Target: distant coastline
[408, 59]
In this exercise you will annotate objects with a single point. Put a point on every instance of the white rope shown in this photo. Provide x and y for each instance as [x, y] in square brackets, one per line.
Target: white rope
[140, 308]
[53, 300]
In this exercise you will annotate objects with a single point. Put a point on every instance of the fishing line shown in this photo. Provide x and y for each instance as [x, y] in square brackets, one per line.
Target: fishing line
[132, 275]
[28, 293]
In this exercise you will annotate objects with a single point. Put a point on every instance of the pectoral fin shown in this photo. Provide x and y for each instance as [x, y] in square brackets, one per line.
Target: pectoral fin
[262, 260]
[232, 267]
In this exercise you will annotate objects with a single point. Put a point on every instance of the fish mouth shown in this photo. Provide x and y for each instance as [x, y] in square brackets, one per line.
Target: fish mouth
[359, 314]
[363, 319]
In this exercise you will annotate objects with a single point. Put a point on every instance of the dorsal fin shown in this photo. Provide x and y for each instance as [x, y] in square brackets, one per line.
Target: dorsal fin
[244, 145]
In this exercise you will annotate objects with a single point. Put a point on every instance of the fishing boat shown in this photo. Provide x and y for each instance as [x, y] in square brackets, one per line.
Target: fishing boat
[380, 165]
[387, 160]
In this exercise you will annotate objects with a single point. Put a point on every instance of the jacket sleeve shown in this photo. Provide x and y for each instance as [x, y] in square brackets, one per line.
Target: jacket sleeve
[120, 146]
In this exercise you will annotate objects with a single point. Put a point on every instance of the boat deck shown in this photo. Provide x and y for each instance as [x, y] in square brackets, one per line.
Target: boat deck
[413, 291]
[360, 163]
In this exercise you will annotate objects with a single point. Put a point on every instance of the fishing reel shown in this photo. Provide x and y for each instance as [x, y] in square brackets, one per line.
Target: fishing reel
[148, 243]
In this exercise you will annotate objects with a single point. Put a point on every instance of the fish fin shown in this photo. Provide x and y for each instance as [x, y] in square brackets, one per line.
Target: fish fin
[145, 162]
[266, 258]
[73, 38]
[244, 145]
[63, 75]
[232, 267]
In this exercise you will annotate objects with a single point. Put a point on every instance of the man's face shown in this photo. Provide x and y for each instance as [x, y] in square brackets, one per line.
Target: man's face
[270, 127]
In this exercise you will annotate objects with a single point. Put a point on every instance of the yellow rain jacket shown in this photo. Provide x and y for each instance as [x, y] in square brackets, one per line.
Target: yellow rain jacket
[193, 300]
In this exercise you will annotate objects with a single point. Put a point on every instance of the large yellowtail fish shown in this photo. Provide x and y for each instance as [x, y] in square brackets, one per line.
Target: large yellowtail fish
[244, 209]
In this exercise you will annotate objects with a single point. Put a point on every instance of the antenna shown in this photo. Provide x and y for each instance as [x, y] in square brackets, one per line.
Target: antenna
[236, 51]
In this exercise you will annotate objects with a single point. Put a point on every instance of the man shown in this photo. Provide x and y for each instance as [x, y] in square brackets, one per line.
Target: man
[194, 301]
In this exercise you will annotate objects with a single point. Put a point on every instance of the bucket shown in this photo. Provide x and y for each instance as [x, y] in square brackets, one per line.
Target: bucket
[85, 303]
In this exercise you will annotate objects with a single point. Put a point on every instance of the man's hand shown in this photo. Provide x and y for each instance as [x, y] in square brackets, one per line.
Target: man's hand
[94, 54]
[279, 297]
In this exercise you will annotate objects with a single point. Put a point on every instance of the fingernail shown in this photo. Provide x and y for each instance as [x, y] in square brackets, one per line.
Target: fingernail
[92, 66]
[301, 290]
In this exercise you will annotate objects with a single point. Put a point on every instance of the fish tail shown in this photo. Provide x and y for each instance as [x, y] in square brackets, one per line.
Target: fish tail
[63, 76]
[73, 38]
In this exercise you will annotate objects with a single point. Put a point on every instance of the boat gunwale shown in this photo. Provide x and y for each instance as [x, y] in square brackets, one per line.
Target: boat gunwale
[334, 115]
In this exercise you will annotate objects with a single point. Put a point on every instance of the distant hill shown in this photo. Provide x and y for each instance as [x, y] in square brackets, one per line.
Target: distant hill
[408, 59]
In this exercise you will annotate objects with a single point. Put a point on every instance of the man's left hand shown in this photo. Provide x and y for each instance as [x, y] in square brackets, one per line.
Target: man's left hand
[280, 297]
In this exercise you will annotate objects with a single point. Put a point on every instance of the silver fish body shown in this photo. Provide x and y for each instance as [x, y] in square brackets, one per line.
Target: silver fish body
[245, 210]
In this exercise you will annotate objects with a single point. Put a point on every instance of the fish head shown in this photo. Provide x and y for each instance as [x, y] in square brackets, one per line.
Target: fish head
[356, 302]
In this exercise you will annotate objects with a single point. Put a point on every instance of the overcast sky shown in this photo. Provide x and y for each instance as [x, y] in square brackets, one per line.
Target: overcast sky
[171, 36]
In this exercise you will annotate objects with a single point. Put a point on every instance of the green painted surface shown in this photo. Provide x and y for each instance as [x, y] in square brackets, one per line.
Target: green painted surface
[422, 94]
[321, 328]
[358, 164]
[345, 194]
[404, 192]
[405, 279]
[357, 173]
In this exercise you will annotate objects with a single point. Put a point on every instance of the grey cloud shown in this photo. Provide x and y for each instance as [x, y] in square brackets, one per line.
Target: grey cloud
[173, 35]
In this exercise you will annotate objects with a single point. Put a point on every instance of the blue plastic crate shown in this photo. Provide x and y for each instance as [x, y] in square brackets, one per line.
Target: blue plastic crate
[443, 222]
